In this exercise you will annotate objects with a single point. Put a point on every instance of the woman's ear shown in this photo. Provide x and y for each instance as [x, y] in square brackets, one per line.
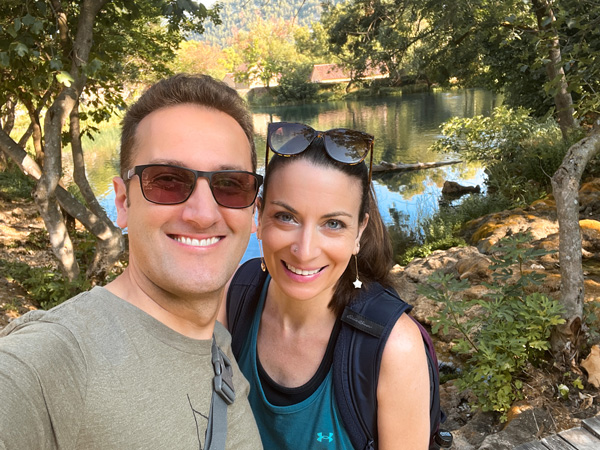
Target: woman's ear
[361, 228]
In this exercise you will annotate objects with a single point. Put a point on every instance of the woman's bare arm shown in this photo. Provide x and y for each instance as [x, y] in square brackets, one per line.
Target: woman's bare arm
[403, 390]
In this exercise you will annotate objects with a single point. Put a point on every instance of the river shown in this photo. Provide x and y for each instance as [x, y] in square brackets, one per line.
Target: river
[404, 127]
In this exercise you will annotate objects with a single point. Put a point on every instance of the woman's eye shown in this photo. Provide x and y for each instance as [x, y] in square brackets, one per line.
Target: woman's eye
[334, 224]
[284, 217]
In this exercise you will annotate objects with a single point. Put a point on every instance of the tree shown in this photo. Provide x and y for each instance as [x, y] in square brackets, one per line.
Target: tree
[66, 61]
[565, 185]
[262, 53]
[200, 57]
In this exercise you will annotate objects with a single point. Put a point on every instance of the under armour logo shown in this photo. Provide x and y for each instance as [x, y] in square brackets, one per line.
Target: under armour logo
[321, 436]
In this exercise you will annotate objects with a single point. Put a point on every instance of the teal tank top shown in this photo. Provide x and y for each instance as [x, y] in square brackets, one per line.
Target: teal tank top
[314, 423]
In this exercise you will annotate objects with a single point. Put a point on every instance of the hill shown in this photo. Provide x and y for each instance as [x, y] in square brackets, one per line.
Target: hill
[239, 14]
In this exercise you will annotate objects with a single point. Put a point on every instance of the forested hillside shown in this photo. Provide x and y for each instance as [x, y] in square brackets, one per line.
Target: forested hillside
[239, 14]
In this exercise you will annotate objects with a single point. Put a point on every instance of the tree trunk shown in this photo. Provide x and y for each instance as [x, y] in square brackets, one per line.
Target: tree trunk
[110, 242]
[565, 187]
[45, 192]
[556, 74]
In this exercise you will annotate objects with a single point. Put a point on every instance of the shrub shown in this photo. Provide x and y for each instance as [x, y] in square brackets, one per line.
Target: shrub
[295, 85]
[520, 153]
[14, 184]
[45, 285]
[512, 329]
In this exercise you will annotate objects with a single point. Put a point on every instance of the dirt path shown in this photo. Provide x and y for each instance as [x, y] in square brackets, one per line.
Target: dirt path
[19, 222]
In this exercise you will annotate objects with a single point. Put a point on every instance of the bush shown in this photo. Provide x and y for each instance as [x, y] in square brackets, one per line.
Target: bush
[295, 85]
[511, 330]
[443, 230]
[14, 184]
[520, 153]
[46, 287]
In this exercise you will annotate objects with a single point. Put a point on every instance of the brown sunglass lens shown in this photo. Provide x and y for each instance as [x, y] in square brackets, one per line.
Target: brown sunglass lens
[167, 185]
[234, 190]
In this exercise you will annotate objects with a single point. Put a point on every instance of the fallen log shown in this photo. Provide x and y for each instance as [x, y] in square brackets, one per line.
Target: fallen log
[385, 166]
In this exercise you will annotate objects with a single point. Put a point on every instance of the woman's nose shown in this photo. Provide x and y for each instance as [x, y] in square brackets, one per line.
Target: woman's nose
[306, 246]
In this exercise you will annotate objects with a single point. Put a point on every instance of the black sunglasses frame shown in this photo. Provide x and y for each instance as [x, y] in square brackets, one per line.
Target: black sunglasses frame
[138, 170]
[316, 134]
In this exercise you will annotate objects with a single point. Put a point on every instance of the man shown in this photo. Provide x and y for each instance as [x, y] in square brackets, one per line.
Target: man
[128, 366]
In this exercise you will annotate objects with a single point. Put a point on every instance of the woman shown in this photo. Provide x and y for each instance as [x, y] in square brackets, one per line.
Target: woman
[324, 242]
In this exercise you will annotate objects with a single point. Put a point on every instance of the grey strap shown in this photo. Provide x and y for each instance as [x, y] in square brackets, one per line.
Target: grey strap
[223, 395]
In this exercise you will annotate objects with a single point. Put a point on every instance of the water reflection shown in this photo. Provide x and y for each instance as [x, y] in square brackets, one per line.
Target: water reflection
[404, 128]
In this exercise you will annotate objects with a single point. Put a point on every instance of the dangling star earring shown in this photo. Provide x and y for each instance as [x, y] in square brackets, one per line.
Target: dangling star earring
[357, 283]
[262, 258]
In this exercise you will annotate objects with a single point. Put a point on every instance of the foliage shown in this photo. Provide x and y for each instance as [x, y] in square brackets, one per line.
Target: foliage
[199, 57]
[520, 152]
[263, 52]
[15, 184]
[295, 86]
[511, 328]
[367, 34]
[240, 16]
[443, 230]
[45, 285]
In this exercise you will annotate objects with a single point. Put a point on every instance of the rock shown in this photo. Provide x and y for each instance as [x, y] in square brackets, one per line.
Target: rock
[473, 434]
[454, 189]
[525, 423]
[591, 364]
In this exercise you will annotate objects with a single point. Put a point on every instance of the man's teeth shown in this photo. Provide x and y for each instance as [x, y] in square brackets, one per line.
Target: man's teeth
[197, 242]
[300, 271]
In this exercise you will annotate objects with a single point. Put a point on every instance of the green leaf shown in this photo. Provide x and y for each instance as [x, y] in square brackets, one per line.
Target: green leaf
[20, 48]
[4, 59]
[28, 20]
[56, 64]
[65, 78]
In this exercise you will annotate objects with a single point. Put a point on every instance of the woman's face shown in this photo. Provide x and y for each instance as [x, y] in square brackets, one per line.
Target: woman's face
[310, 229]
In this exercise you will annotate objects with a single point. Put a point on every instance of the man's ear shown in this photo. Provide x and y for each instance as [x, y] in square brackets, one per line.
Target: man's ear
[256, 226]
[121, 201]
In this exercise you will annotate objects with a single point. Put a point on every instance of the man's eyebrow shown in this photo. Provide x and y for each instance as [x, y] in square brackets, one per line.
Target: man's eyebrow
[326, 216]
[173, 162]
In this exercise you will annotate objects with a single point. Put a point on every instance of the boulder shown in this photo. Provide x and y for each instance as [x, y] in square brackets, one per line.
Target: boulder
[454, 189]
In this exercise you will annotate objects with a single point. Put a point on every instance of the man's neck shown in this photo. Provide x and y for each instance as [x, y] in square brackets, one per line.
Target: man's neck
[190, 315]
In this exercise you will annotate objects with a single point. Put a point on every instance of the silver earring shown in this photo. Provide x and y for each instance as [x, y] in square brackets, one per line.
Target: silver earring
[263, 266]
[357, 283]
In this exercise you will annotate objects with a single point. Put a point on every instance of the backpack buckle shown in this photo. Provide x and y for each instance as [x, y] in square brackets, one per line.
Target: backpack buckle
[223, 380]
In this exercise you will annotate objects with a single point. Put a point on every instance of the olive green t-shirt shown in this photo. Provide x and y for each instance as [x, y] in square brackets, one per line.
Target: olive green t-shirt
[97, 373]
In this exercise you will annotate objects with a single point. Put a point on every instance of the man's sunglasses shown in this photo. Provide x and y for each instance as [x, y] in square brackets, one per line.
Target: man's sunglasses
[341, 144]
[165, 184]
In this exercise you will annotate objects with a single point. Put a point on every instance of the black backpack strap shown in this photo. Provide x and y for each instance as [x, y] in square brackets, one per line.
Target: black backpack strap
[357, 360]
[368, 323]
[242, 300]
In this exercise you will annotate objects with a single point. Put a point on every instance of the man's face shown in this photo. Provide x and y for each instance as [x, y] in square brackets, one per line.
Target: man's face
[193, 248]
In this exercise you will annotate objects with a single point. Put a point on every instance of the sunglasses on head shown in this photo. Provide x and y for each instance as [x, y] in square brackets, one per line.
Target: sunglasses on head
[341, 144]
[165, 184]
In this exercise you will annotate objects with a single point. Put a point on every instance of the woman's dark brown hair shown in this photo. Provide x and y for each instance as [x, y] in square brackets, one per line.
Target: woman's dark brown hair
[375, 258]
